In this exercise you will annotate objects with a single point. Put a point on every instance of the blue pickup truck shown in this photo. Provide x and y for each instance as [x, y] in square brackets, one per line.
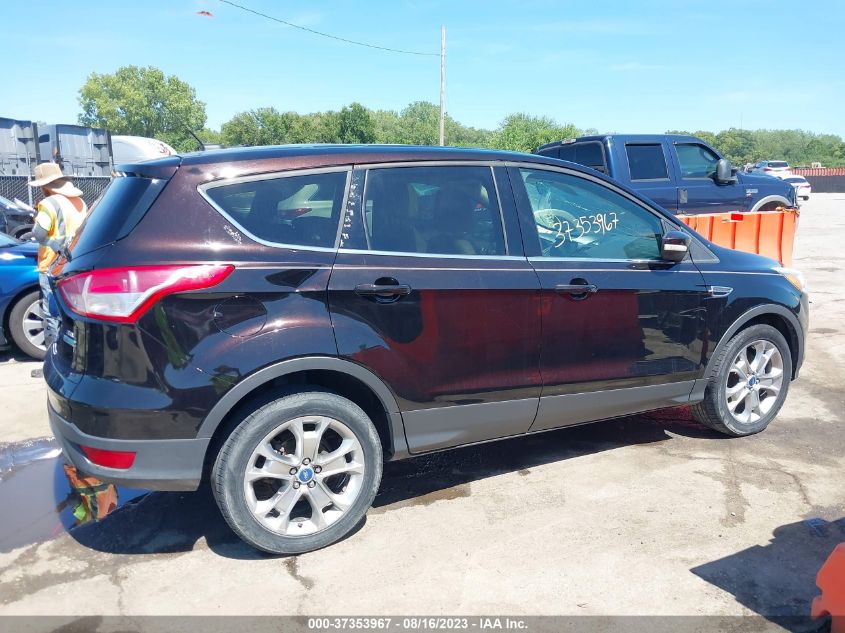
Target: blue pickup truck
[680, 173]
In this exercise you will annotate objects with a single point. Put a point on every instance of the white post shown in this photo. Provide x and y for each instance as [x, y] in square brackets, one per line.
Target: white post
[442, 85]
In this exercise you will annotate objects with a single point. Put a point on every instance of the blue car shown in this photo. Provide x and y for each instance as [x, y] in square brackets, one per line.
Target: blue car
[21, 319]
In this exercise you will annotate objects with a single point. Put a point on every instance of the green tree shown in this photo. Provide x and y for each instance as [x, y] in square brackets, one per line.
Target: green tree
[143, 102]
[522, 132]
[355, 125]
[267, 126]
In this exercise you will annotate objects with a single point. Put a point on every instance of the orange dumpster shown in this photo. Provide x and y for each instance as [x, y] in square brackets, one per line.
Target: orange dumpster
[831, 580]
[768, 233]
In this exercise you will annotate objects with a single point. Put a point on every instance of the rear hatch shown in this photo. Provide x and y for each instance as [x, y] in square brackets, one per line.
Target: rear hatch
[111, 218]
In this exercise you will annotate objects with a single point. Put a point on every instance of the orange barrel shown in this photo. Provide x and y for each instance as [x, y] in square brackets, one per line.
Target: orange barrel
[769, 233]
[831, 580]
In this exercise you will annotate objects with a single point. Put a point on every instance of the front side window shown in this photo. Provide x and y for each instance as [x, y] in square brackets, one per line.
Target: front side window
[299, 210]
[696, 161]
[448, 210]
[647, 162]
[582, 219]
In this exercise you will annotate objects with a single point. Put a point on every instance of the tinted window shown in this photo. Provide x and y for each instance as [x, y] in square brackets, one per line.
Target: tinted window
[439, 210]
[778, 164]
[647, 162]
[696, 161]
[116, 212]
[590, 154]
[579, 218]
[299, 210]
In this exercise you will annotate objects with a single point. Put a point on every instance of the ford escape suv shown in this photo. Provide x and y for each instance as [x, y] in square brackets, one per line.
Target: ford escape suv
[279, 321]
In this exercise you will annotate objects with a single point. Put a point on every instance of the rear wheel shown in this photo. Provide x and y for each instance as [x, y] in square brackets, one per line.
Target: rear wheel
[748, 384]
[26, 325]
[298, 473]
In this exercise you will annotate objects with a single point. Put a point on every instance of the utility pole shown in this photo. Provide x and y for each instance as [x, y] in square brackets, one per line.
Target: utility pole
[442, 85]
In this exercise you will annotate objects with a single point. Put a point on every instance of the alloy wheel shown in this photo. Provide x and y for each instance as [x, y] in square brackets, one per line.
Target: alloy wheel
[304, 475]
[755, 379]
[33, 324]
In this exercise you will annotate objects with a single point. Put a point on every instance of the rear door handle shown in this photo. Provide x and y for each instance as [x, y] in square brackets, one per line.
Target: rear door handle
[576, 289]
[379, 290]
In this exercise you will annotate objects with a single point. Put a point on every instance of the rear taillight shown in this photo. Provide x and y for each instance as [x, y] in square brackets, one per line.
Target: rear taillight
[109, 459]
[124, 294]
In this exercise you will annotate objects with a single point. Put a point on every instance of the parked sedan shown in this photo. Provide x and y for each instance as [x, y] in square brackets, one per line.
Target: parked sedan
[21, 320]
[801, 186]
[778, 168]
[16, 220]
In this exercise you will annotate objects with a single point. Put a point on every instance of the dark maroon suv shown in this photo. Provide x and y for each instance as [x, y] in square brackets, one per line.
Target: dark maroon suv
[281, 320]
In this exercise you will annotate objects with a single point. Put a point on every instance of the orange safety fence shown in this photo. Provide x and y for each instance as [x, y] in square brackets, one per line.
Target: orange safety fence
[768, 233]
[831, 580]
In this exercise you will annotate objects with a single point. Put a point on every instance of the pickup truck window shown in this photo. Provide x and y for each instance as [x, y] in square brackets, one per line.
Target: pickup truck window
[582, 219]
[696, 160]
[647, 162]
[589, 154]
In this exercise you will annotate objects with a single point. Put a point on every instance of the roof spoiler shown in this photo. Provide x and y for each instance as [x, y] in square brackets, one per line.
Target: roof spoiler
[158, 168]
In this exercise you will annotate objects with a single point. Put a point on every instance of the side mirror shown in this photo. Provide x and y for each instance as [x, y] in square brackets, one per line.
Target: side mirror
[725, 172]
[674, 246]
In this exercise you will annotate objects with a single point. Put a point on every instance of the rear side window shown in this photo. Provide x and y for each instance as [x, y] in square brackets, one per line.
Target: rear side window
[297, 210]
[589, 154]
[647, 162]
[448, 210]
[113, 216]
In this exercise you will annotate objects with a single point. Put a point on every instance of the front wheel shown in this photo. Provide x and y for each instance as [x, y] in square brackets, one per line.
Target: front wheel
[298, 473]
[26, 325]
[748, 384]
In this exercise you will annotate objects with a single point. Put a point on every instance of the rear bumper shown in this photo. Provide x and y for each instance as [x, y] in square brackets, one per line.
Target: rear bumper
[158, 465]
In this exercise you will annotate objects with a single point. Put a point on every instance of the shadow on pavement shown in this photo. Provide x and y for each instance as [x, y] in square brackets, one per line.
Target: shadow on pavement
[167, 522]
[778, 580]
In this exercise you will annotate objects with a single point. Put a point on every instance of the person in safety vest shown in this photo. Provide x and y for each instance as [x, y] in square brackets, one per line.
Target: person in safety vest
[89, 498]
[59, 215]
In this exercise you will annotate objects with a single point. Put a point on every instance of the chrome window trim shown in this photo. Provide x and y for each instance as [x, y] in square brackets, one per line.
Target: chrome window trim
[204, 187]
[437, 268]
[360, 251]
[460, 163]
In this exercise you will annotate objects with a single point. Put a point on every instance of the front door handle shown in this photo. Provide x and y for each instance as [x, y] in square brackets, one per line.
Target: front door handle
[576, 289]
[382, 290]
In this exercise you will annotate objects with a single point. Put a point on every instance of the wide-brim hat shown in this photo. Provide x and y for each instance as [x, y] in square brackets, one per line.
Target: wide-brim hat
[45, 173]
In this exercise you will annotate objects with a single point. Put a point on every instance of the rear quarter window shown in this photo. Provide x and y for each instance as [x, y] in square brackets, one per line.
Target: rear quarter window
[116, 212]
[296, 210]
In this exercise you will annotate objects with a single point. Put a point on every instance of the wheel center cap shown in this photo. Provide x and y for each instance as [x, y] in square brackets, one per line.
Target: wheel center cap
[752, 382]
[306, 474]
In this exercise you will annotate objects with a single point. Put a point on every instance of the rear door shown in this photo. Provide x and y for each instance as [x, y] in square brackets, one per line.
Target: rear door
[431, 292]
[651, 173]
[621, 329]
[698, 191]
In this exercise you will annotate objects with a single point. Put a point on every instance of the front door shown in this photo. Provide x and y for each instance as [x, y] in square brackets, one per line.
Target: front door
[621, 328]
[698, 191]
[431, 292]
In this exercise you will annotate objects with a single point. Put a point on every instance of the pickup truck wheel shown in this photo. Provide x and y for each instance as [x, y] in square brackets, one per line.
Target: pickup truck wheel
[26, 325]
[748, 384]
[298, 473]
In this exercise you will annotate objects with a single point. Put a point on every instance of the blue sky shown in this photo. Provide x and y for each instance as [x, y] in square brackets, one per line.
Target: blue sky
[639, 66]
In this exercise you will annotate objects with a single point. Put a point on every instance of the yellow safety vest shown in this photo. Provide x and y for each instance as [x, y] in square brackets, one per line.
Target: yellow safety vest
[60, 218]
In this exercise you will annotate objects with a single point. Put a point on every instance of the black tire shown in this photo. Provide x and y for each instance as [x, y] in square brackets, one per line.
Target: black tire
[228, 471]
[16, 329]
[713, 410]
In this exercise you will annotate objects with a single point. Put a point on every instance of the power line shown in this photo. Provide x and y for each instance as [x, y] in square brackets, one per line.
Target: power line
[333, 37]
